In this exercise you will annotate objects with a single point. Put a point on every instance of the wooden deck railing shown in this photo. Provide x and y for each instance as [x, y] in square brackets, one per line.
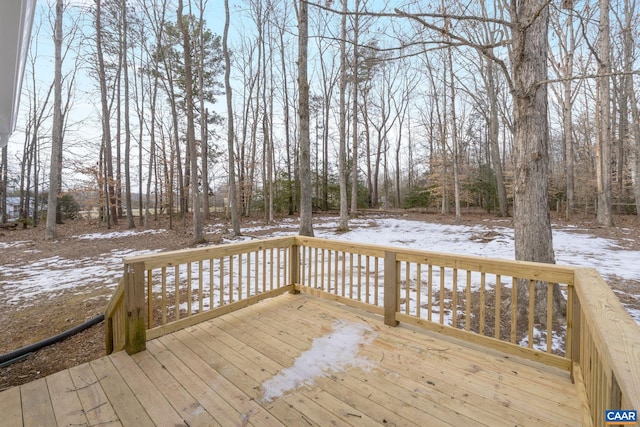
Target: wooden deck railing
[443, 292]
[472, 298]
[164, 292]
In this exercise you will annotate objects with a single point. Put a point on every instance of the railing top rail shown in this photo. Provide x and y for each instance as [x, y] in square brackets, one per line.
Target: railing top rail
[522, 269]
[618, 338]
[171, 258]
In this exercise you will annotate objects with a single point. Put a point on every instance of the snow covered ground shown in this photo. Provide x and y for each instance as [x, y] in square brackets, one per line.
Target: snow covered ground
[21, 283]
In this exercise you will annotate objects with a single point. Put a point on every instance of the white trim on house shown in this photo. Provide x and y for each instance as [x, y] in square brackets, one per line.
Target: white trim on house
[16, 19]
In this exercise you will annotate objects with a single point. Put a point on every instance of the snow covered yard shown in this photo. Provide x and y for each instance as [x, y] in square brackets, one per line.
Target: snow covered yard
[23, 282]
[47, 287]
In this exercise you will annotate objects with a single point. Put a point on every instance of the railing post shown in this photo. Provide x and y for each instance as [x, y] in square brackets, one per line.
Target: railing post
[135, 328]
[294, 266]
[573, 324]
[391, 290]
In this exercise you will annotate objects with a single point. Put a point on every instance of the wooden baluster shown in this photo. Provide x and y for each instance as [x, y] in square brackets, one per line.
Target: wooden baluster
[315, 270]
[211, 287]
[335, 276]
[441, 320]
[221, 263]
[344, 267]
[359, 277]
[177, 286]
[407, 294]
[454, 299]
[231, 291]
[264, 269]
[351, 275]
[188, 289]
[240, 277]
[430, 292]
[322, 265]
[200, 288]
[467, 320]
[271, 269]
[149, 299]
[367, 280]
[279, 283]
[498, 303]
[482, 301]
[549, 316]
[249, 274]
[532, 306]
[256, 278]
[514, 308]
[164, 295]
[376, 280]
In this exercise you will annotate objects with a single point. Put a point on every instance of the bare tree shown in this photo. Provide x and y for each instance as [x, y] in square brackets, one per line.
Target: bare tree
[603, 120]
[354, 100]
[306, 191]
[342, 150]
[564, 68]
[110, 194]
[454, 138]
[191, 136]
[233, 198]
[50, 232]
[127, 121]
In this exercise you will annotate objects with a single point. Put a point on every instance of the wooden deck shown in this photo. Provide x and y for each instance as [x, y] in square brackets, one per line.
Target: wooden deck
[213, 374]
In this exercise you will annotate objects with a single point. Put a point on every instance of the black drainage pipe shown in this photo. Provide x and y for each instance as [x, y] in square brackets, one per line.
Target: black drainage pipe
[21, 353]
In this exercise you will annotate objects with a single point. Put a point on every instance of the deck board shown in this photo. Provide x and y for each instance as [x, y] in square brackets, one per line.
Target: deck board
[212, 374]
[187, 406]
[125, 403]
[11, 407]
[155, 404]
[65, 400]
[93, 399]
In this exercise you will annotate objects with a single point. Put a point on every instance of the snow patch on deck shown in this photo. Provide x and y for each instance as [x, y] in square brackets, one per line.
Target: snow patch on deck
[334, 352]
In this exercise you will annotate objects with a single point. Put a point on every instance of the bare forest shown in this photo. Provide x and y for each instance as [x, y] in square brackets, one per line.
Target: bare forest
[135, 109]
[185, 119]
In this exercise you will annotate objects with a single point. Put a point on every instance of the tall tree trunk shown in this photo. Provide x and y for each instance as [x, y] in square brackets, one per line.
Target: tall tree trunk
[567, 114]
[287, 121]
[204, 115]
[233, 198]
[50, 232]
[604, 214]
[191, 135]
[306, 223]
[343, 224]
[118, 96]
[127, 121]
[494, 146]
[204, 138]
[532, 222]
[152, 152]
[454, 140]
[354, 126]
[397, 172]
[106, 126]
